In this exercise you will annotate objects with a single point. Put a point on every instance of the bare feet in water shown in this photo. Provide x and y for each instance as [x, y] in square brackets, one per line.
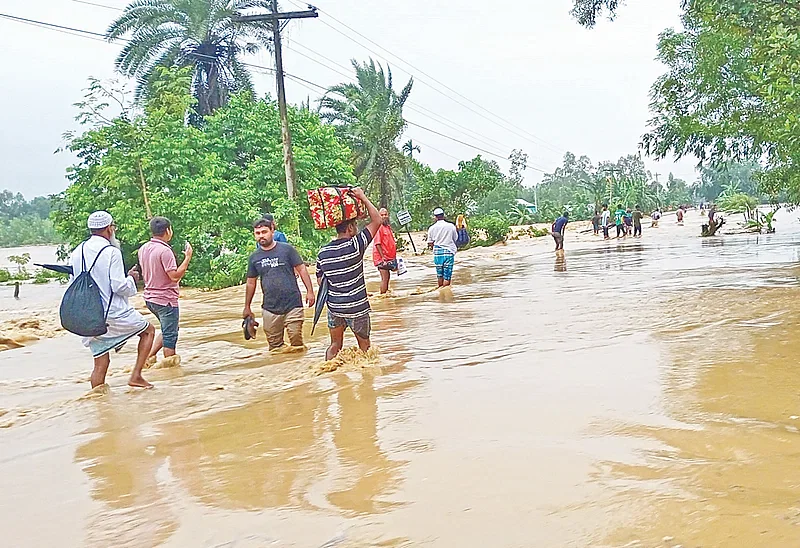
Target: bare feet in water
[139, 382]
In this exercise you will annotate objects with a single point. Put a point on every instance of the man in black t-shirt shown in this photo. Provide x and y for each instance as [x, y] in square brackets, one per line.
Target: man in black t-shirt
[277, 264]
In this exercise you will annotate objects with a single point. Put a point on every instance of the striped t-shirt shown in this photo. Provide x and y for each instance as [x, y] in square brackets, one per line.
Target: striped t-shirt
[342, 263]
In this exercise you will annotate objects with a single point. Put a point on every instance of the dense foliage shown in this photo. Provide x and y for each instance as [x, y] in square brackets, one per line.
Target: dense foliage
[212, 182]
[368, 116]
[730, 93]
[24, 222]
[200, 34]
[581, 187]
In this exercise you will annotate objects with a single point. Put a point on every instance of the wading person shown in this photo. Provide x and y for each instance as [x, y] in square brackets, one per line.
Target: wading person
[341, 262]
[596, 222]
[101, 257]
[384, 250]
[637, 221]
[277, 264]
[628, 222]
[619, 221]
[161, 274]
[558, 229]
[442, 238]
[605, 221]
[655, 216]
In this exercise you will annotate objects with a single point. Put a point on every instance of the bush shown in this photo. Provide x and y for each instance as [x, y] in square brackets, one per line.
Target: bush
[44, 276]
[489, 229]
[41, 277]
[534, 232]
[5, 275]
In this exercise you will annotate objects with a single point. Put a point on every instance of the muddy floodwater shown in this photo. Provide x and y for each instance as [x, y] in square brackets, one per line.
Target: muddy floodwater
[630, 393]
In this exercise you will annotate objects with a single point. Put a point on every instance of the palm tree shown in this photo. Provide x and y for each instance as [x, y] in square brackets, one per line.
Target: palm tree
[410, 148]
[369, 117]
[197, 33]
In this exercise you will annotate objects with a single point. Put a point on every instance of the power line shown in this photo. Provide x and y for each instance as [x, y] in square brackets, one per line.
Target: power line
[98, 5]
[469, 145]
[411, 105]
[541, 142]
[89, 34]
[51, 25]
[439, 151]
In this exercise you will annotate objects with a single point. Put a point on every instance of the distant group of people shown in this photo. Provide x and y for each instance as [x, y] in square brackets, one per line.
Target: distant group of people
[276, 263]
[626, 221]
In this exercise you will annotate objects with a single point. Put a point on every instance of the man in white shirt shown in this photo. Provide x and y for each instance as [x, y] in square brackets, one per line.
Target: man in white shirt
[604, 221]
[442, 238]
[123, 321]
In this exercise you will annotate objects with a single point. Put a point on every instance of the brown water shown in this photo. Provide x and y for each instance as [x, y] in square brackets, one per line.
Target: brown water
[636, 393]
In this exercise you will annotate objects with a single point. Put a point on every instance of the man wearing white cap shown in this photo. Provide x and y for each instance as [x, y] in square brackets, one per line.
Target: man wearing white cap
[124, 322]
[442, 238]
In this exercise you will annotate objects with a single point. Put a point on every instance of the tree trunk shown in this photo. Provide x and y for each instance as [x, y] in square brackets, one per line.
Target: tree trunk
[144, 190]
[711, 228]
[384, 183]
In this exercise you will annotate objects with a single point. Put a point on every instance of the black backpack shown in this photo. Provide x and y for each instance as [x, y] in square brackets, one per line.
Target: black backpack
[81, 309]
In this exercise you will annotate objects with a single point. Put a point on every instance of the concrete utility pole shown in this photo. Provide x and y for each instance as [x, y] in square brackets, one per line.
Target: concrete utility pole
[275, 18]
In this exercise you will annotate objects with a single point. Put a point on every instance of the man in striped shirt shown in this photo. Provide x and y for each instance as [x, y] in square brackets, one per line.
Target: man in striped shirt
[341, 262]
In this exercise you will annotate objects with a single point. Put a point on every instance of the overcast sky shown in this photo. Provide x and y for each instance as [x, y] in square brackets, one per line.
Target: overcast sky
[566, 88]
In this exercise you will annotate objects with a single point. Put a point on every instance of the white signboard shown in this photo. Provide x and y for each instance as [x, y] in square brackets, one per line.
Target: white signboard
[404, 217]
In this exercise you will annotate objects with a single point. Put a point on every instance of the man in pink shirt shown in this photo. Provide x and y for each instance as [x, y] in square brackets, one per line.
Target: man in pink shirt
[384, 250]
[161, 276]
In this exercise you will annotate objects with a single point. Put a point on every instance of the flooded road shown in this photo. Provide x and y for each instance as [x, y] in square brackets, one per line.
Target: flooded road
[631, 393]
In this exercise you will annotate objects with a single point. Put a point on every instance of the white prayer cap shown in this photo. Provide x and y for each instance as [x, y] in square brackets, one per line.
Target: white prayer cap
[99, 219]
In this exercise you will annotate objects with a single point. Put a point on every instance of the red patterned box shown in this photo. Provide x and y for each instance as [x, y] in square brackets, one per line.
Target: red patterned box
[331, 205]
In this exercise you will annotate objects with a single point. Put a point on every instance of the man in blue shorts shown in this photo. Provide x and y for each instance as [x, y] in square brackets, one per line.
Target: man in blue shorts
[442, 237]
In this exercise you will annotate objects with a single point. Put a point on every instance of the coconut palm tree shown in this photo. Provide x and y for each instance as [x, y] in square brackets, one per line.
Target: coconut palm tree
[197, 33]
[368, 115]
[410, 148]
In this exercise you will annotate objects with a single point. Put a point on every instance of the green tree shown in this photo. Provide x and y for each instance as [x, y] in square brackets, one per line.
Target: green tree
[212, 182]
[200, 34]
[588, 11]
[368, 115]
[458, 192]
[715, 178]
[729, 93]
[409, 148]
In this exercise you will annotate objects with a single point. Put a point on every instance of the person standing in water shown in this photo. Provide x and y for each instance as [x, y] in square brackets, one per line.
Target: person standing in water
[596, 222]
[384, 250]
[341, 263]
[655, 216]
[161, 276]
[102, 250]
[619, 221]
[679, 215]
[442, 238]
[628, 222]
[558, 228]
[637, 222]
[605, 220]
[277, 264]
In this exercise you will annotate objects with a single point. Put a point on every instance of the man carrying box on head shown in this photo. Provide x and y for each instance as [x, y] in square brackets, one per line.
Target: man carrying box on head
[341, 262]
